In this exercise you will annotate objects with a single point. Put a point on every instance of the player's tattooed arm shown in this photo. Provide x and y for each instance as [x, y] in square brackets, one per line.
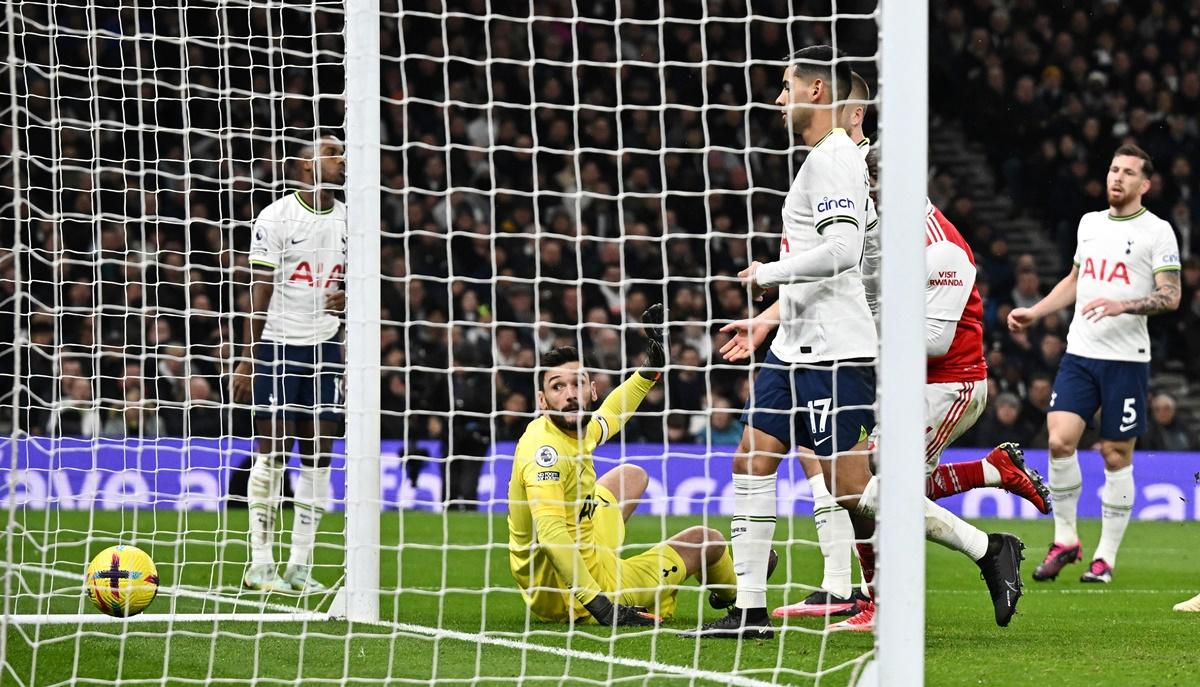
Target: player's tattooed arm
[1164, 298]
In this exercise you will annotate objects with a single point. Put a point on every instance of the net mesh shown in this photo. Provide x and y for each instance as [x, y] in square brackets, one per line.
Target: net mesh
[548, 172]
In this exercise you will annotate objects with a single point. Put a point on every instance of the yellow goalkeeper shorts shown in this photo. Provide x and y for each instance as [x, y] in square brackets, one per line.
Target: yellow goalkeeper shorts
[650, 579]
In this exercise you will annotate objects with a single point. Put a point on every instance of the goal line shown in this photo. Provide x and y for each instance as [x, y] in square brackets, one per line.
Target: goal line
[269, 612]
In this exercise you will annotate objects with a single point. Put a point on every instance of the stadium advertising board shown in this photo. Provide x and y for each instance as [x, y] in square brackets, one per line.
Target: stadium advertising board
[110, 474]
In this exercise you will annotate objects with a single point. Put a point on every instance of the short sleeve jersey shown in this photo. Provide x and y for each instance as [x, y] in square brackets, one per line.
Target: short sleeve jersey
[828, 319]
[306, 248]
[951, 295]
[1117, 259]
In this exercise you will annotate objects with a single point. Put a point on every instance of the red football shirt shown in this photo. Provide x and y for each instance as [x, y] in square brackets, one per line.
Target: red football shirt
[950, 294]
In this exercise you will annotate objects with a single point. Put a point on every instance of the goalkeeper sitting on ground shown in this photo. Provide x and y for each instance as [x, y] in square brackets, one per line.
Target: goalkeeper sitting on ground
[566, 527]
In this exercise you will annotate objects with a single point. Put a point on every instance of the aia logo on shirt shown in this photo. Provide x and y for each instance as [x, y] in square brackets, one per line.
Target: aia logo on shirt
[1106, 272]
[305, 274]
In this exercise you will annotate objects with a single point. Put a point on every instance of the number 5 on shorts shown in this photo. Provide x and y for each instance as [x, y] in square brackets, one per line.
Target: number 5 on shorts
[1129, 415]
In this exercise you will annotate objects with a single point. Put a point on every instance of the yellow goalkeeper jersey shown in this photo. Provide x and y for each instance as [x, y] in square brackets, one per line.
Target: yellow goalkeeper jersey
[551, 499]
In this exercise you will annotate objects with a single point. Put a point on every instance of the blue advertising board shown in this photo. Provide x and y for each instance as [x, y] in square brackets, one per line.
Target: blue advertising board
[193, 474]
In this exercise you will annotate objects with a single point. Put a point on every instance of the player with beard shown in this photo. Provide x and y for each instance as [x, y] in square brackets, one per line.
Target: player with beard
[1126, 269]
[566, 526]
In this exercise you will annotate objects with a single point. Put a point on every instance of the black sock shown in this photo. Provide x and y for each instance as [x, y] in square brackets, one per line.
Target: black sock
[994, 544]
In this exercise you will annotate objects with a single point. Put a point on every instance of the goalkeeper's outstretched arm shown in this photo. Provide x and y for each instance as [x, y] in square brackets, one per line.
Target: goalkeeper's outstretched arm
[616, 410]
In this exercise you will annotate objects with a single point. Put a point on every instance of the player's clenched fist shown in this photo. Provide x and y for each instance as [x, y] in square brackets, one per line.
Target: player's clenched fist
[1020, 318]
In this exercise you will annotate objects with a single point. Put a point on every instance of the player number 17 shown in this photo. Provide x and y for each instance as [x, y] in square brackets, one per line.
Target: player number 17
[823, 404]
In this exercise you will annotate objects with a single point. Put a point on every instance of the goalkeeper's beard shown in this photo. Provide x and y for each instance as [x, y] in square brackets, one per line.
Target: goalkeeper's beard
[573, 424]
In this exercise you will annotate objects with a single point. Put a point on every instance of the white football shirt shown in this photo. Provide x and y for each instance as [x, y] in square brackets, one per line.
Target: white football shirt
[825, 319]
[1117, 259]
[872, 248]
[307, 250]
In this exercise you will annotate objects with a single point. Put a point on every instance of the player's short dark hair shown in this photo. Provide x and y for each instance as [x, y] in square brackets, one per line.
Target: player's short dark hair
[559, 356]
[1134, 151]
[860, 84]
[821, 62]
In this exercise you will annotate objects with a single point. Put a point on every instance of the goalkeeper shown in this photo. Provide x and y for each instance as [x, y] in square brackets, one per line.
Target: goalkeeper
[566, 527]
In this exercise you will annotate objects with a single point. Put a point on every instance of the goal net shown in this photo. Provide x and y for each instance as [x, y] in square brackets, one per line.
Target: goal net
[538, 176]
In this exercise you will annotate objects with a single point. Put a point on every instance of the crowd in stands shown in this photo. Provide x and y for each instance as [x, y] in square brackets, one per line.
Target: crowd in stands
[549, 203]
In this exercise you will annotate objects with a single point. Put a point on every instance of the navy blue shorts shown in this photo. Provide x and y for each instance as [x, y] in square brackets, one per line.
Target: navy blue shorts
[822, 407]
[298, 381]
[1116, 387]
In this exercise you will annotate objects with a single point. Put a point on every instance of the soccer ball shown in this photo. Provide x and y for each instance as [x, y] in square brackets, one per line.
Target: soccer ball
[122, 581]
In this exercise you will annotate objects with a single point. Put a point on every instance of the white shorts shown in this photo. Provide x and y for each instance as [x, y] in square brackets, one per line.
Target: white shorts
[951, 408]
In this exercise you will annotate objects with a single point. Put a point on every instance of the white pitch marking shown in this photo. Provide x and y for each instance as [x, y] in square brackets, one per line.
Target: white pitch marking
[431, 632]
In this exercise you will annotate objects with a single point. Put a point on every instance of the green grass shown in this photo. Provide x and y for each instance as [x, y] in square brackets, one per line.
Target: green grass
[1065, 633]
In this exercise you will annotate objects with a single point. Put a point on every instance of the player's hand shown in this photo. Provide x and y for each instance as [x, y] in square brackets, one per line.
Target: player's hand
[335, 302]
[656, 340]
[748, 335]
[1099, 308]
[1020, 318]
[749, 277]
[608, 613]
[242, 381]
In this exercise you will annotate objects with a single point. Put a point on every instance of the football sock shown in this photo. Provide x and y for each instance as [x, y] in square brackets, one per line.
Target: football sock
[312, 492]
[834, 533]
[1066, 482]
[1116, 500]
[720, 578]
[868, 501]
[991, 475]
[751, 532]
[953, 532]
[866, 561]
[264, 490]
[955, 478]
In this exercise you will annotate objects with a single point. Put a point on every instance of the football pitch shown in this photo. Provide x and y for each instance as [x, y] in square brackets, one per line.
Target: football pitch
[459, 620]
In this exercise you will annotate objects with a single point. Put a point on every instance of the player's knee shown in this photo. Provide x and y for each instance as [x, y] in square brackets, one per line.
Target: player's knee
[632, 481]
[1117, 455]
[1060, 446]
[714, 546]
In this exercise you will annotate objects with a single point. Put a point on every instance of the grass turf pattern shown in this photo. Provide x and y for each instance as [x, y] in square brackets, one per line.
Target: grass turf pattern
[1065, 633]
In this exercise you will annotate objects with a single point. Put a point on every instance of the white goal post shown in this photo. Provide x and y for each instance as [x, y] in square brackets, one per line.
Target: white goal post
[383, 70]
[904, 88]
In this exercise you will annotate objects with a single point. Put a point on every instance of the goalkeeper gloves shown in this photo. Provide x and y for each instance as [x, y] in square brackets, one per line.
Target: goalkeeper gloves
[656, 342]
[608, 613]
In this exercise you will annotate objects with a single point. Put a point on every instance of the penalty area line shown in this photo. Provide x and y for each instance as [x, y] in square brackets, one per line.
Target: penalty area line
[578, 654]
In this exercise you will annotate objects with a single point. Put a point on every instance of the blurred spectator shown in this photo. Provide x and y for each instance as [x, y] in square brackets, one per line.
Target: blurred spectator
[75, 414]
[135, 418]
[1001, 423]
[724, 427]
[490, 258]
[1027, 291]
[511, 424]
[1036, 405]
[1166, 432]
